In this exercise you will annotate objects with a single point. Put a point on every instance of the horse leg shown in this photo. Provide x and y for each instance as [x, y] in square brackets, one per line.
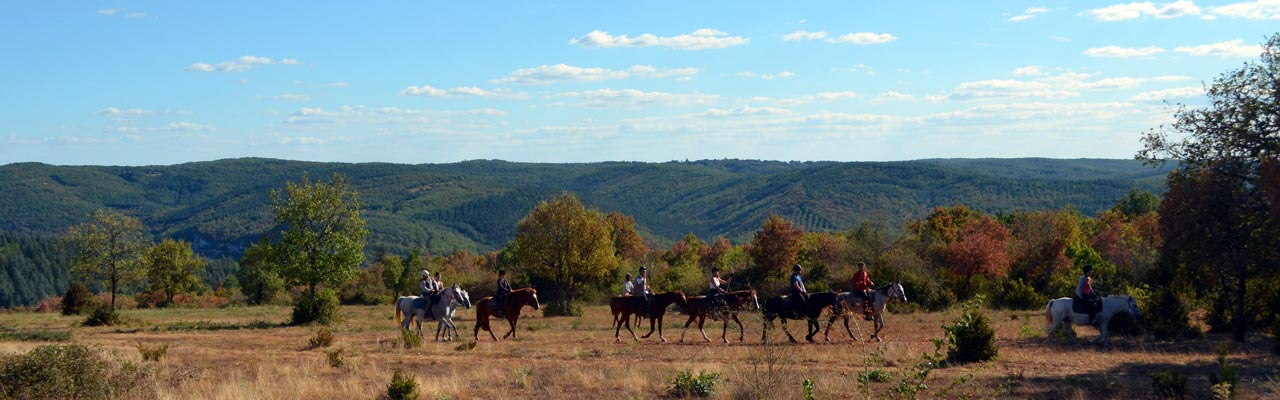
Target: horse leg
[764, 329]
[724, 331]
[661, 338]
[701, 320]
[651, 327]
[787, 331]
[742, 332]
[879, 324]
[811, 325]
[512, 332]
[633, 333]
[617, 330]
[686, 326]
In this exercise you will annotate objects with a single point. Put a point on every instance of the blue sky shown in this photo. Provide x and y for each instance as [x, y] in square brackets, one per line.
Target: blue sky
[162, 82]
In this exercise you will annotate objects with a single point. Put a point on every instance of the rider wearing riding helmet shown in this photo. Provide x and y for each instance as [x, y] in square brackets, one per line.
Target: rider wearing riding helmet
[799, 296]
[504, 288]
[642, 289]
[427, 285]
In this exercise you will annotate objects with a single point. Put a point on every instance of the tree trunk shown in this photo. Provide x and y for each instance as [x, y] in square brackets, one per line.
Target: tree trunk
[1239, 321]
[113, 293]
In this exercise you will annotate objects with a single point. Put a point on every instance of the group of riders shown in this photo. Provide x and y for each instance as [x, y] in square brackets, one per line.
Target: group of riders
[717, 289]
[432, 286]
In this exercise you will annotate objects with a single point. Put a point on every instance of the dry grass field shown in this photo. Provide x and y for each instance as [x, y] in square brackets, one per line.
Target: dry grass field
[242, 353]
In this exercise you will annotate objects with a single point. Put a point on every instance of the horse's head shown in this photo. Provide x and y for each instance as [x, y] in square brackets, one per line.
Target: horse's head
[534, 294]
[897, 292]
[681, 300]
[1132, 307]
[754, 300]
[462, 296]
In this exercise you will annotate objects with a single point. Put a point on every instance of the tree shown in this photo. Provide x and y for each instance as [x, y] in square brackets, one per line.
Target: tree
[172, 266]
[774, 248]
[567, 245]
[109, 248]
[393, 273]
[626, 241]
[981, 248]
[258, 275]
[1138, 203]
[1039, 242]
[322, 236]
[1217, 215]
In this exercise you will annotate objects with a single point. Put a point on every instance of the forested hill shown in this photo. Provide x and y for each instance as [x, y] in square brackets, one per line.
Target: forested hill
[223, 205]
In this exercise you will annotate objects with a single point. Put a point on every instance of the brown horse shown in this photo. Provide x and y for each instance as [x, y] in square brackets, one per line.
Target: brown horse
[516, 300]
[624, 306]
[734, 302]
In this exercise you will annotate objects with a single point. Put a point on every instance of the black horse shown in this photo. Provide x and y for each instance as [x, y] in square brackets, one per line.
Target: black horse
[778, 307]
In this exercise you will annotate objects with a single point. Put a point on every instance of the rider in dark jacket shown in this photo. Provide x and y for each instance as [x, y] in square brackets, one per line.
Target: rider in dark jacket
[504, 288]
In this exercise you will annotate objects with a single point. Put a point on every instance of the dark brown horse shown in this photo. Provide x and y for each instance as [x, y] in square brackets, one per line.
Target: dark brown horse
[734, 301]
[516, 300]
[624, 306]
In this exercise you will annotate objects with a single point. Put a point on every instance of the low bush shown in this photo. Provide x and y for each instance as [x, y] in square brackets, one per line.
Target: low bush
[402, 387]
[323, 309]
[49, 304]
[335, 358]
[322, 338]
[410, 339]
[1014, 294]
[1227, 376]
[35, 336]
[687, 385]
[1167, 316]
[72, 372]
[153, 353]
[970, 338]
[78, 300]
[102, 316]
[1169, 384]
[875, 375]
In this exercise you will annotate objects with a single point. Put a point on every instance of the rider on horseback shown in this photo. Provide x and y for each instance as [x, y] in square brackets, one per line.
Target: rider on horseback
[642, 289]
[1086, 294]
[430, 290]
[627, 287]
[799, 296]
[863, 285]
[716, 291]
[500, 297]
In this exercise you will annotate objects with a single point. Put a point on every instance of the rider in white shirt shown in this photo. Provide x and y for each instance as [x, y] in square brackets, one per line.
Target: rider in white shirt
[628, 288]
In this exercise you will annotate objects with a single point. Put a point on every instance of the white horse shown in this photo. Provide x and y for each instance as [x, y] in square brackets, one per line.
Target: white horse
[1059, 312]
[415, 307]
[854, 304]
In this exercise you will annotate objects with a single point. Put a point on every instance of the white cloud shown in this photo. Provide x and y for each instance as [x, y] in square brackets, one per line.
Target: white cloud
[804, 35]
[701, 39]
[130, 112]
[893, 96]
[820, 97]
[189, 127]
[1123, 52]
[1000, 88]
[1113, 83]
[1230, 48]
[630, 98]
[393, 119]
[743, 111]
[1173, 93]
[780, 75]
[861, 38]
[240, 64]
[859, 68]
[1030, 70]
[464, 91]
[293, 97]
[1256, 10]
[1028, 14]
[548, 74]
[1135, 10]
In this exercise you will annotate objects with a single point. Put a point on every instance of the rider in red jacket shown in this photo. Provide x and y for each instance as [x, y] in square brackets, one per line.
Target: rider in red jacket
[862, 284]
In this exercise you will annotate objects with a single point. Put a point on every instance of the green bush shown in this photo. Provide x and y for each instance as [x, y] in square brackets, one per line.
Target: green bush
[78, 300]
[410, 339]
[322, 310]
[1227, 374]
[335, 358]
[806, 388]
[1169, 384]
[402, 387]
[322, 338]
[555, 309]
[71, 371]
[1166, 316]
[970, 338]
[875, 375]
[688, 385]
[153, 353]
[1014, 294]
[102, 316]
[927, 292]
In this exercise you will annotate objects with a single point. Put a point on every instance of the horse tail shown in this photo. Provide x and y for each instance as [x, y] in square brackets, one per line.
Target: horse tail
[399, 312]
[1048, 314]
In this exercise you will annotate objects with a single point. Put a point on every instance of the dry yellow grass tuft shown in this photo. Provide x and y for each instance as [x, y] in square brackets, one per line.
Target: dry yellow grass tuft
[241, 353]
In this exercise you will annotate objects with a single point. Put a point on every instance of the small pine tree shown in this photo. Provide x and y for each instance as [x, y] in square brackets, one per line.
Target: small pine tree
[77, 300]
[971, 338]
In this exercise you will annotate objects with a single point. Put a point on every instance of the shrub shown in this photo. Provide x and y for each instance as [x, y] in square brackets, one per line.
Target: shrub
[322, 338]
[971, 338]
[1169, 384]
[410, 339]
[102, 316]
[556, 309]
[806, 388]
[688, 385]
[875, 375]
[152, 353]
[1227, 375]
[78, 300]
[1166, 316]
[1014, 294]
[49, 304]
[322, 310]
[70, 371]
[335, 358]
[402, 387]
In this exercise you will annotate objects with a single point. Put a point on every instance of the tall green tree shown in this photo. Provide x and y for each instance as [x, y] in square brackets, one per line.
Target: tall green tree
[393, 273]
[322, 235]
[1217, 217]
[108, 247]
[173, 267]
[568, 245]
[259, 274]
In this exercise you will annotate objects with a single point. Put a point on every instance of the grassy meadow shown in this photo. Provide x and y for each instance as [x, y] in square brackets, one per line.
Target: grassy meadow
[245, 353]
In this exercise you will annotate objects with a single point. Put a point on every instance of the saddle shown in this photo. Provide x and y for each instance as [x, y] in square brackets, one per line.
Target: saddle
[1086, 306]
[497, 308]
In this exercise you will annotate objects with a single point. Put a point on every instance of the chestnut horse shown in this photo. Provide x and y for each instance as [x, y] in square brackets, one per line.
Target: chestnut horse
[624, 306]
[516, 300]
[734, 301]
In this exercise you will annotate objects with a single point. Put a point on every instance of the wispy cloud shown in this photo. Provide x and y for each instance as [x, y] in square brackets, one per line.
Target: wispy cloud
[464, 91]
[293, 97]
[701, 39]
[1135, 10]
[1028, 14]
[1030, 70]
[1123, 52]
[1227, 49]
[549, 74]
[1165, 94]
[1255, 10]
[860, 38]
[126, 112]
[630, 98]
[1064, 85]
[820, 97]
[780, 75]
[120, 12]
[241, 64]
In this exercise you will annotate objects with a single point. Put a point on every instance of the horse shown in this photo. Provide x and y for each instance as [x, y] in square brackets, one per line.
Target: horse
[415, 307]
[1059, 312]
[623, 307]
[778, 307]
[854, 301]
[516, 300]
[698, 309]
